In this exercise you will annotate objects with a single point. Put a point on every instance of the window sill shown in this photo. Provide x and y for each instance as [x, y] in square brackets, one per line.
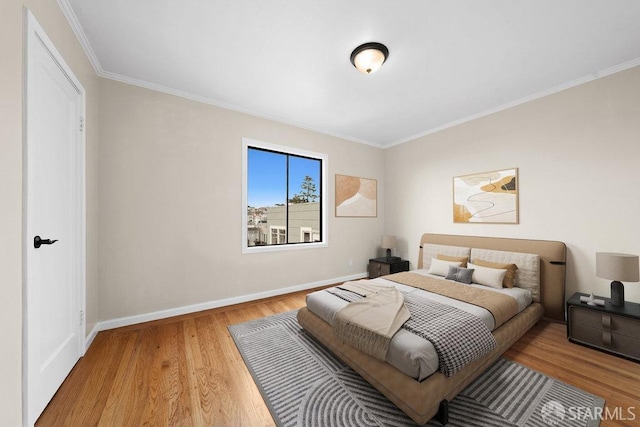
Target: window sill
[281, 248]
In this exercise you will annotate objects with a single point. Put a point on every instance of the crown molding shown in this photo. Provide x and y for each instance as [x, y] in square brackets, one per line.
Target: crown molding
[232, 107]
[68, 12]
[73, 21]
[559, 88]
[71, 17]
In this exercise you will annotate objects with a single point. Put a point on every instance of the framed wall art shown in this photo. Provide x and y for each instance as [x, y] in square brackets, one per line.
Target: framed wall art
[488, 197]
[356, 197]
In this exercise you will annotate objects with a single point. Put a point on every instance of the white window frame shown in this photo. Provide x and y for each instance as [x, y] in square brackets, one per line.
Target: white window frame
[246, 249]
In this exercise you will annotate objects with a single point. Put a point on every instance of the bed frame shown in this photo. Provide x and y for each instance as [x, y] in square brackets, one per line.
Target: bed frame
[423, 400]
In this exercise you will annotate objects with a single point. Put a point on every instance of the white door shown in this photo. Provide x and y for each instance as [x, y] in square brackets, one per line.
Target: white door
[54, 197]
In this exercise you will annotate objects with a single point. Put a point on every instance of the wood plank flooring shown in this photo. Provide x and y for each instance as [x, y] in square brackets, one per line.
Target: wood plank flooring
[186, 371]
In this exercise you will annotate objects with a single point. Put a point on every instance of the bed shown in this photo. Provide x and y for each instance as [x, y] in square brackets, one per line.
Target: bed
[418, 388]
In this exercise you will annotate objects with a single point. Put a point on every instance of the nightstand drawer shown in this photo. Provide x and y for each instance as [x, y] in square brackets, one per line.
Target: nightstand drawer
[614, 342]
[605, 321]
[377, 269]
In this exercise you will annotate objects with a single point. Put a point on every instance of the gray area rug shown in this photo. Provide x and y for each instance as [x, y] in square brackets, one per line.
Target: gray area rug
[304, 384]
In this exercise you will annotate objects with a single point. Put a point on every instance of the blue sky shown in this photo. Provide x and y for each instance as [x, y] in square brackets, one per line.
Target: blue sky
[267, 180]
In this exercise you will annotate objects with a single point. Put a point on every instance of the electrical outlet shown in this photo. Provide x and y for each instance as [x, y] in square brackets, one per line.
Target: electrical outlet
[350, 263]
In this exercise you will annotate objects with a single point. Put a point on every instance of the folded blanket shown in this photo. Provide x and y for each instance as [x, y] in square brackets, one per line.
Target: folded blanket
[369, 324]
[364, 287]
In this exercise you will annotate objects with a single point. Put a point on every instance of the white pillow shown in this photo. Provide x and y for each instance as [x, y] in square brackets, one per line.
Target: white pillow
[528, 272]
[441, 268]
[492, 277]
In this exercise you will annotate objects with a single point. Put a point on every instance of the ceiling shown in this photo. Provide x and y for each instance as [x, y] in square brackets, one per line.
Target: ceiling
[288, 60]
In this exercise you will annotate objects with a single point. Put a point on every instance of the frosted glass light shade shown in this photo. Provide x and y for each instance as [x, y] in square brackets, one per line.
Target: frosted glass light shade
[369, 57]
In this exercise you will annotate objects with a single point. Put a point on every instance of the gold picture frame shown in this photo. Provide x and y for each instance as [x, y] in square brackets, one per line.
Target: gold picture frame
[356, 197]
[486, 198]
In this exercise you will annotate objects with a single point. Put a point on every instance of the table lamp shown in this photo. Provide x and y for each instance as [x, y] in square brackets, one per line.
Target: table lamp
[617, 267]
[388, 243]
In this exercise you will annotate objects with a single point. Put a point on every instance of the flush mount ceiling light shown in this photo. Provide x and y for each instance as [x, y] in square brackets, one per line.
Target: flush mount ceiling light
[367, 58]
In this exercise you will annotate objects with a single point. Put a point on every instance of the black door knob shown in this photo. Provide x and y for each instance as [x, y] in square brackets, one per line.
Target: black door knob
[37, 242]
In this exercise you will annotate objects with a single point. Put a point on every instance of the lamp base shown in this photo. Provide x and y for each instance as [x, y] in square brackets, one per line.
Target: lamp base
[617, 294]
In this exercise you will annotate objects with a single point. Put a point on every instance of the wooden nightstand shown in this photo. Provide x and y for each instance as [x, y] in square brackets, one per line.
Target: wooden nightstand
[383, 266]
[612, 329]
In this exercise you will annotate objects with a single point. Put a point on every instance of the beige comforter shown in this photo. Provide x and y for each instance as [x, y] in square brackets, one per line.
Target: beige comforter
[502, 307]
[370, 323]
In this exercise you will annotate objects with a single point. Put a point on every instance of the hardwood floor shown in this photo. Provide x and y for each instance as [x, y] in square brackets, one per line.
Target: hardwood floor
[186, 371]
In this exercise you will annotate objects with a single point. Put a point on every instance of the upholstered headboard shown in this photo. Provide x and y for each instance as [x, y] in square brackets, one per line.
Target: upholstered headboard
[552, 263]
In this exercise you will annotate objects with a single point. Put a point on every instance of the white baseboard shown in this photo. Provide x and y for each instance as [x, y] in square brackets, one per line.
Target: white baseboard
[163, 314]
[92, 335]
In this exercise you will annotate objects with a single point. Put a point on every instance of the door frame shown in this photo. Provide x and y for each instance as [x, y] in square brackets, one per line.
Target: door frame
[34, 33]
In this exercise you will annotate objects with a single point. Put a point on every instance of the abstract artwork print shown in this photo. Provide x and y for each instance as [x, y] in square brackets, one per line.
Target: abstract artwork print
[356, 197]
[488, 197]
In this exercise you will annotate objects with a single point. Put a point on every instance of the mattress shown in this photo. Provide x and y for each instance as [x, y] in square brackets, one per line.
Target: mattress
[409, 353]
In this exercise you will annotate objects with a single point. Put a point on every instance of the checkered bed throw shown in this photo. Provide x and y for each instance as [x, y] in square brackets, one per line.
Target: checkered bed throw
[458, 337]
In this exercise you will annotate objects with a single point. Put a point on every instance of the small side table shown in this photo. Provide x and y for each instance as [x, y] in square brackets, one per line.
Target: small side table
[609, 328]
[383, 266]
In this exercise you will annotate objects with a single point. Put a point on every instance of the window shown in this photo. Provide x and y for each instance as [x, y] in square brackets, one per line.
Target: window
[283, 198]
[278, 235]
[305, 234]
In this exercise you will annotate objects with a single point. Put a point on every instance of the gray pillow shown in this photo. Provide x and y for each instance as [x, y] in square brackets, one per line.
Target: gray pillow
[460, 274]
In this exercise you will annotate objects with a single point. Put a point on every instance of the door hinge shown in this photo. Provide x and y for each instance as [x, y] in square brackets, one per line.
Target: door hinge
[81, 124]
[82, 317]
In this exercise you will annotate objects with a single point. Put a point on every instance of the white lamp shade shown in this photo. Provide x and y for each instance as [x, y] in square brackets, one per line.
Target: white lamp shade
[620, 267]
[388, 242]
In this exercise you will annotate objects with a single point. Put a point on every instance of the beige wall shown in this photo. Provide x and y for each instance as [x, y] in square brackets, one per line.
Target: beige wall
[11, 73]
[578, 154]
[170, 205]
[11, 201]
